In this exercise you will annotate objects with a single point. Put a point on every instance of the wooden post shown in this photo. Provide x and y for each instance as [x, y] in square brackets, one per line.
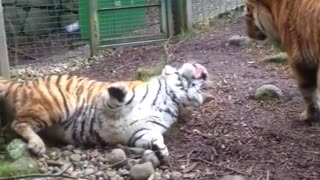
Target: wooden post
[94, 26]
[4, 60]
[182, 10]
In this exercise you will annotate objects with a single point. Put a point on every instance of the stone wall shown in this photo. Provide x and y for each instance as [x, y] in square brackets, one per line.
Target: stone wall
[29, 18]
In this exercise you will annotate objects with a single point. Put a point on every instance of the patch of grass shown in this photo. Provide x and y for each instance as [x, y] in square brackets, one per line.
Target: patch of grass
[144, 74]
[5, 169]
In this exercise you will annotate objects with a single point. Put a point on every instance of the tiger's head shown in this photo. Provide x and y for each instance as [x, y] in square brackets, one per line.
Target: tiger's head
[186, 83]
[260, 22]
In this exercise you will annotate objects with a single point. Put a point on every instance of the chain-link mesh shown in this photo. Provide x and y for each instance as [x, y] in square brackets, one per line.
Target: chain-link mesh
[203, 10]
[36, 29]
[39, 29]
[129, 19]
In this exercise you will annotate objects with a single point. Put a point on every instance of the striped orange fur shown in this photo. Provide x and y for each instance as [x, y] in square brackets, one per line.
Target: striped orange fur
[296, 24]
[89, 112]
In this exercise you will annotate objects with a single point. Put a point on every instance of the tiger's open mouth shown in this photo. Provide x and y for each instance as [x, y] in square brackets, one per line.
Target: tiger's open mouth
[200, 72]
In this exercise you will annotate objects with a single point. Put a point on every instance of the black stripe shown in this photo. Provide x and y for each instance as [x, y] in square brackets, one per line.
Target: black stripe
[159, 124]
[136, 139]
[133, 95]
[167, 110]
[135, 133]
[159, 89]
[52, 94]
[145, 95]
[63, 97]
[99, 139]
[134, 122]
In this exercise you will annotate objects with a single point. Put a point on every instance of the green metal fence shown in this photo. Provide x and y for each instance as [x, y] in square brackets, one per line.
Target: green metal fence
[39, 29]
[127, 22]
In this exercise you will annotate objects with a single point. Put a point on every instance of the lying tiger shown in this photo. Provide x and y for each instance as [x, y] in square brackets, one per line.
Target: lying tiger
[90, 112]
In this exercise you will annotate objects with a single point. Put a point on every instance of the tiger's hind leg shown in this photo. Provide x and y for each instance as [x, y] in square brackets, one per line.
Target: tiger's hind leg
[27, 129]
[306, 76]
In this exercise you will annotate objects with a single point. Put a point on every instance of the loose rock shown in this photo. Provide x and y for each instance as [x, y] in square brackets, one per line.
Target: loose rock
[150, 156]
[232, 177]
[142, 171]
[280, 58]
[238, 40]
[75, 157]
[17, 149]
[268, 92]
[117, 158]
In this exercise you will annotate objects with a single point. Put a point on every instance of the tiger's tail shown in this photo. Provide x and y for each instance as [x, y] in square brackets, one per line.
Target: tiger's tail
[7, 111]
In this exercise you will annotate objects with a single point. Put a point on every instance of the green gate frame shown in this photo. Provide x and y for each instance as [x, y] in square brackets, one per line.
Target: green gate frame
[96, 42]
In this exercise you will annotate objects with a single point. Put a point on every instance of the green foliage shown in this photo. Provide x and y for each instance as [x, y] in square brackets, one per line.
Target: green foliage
[144, 74]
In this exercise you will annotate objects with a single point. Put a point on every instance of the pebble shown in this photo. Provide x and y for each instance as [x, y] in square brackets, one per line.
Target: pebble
[176, 175]
[77, 151]
[95, 153]
[66, 153]
[232, 177]
[142, 171]
[268, 92]
[150, 156]
[75, 157]
[89, 171]
[117, 158]
[69, 147]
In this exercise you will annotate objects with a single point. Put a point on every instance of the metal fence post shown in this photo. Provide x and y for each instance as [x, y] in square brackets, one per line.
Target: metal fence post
[94, 26]
[182, 10]
[4, 60]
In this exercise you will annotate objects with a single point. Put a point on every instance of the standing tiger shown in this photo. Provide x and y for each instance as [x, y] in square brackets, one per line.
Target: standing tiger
[296, 24]
[90, 112]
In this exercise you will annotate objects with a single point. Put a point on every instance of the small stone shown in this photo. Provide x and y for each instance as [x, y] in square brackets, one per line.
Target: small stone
[142, 171]
[117, 158]
[24, 164]
[176, 175]
[70, 147]
[89, 171]
[99, 173]
[150, 156]
[238, 40]
[136, 150]
[280, 58]
[111, 173]
[132, 162]
[56, 170]
[268, 92]
[75, 157]
[17, 148]
[66, 153]
[189, 175]
[232, 177]
[83, 157]
[95, 153]
[77, 151]
[123, 172]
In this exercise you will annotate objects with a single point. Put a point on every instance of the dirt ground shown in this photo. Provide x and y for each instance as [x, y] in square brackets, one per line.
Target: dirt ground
[234, 134]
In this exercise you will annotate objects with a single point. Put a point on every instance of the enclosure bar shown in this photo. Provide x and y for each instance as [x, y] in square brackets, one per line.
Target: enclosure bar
[167, 11]
[94, 27]
[4, 59]
[128, 44]
[183, 15]
[130, 39]
[129, 7]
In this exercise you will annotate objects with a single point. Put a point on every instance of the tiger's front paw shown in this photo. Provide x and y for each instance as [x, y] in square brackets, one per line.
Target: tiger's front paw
[118, 92]
[37, 146]
[161, 151]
